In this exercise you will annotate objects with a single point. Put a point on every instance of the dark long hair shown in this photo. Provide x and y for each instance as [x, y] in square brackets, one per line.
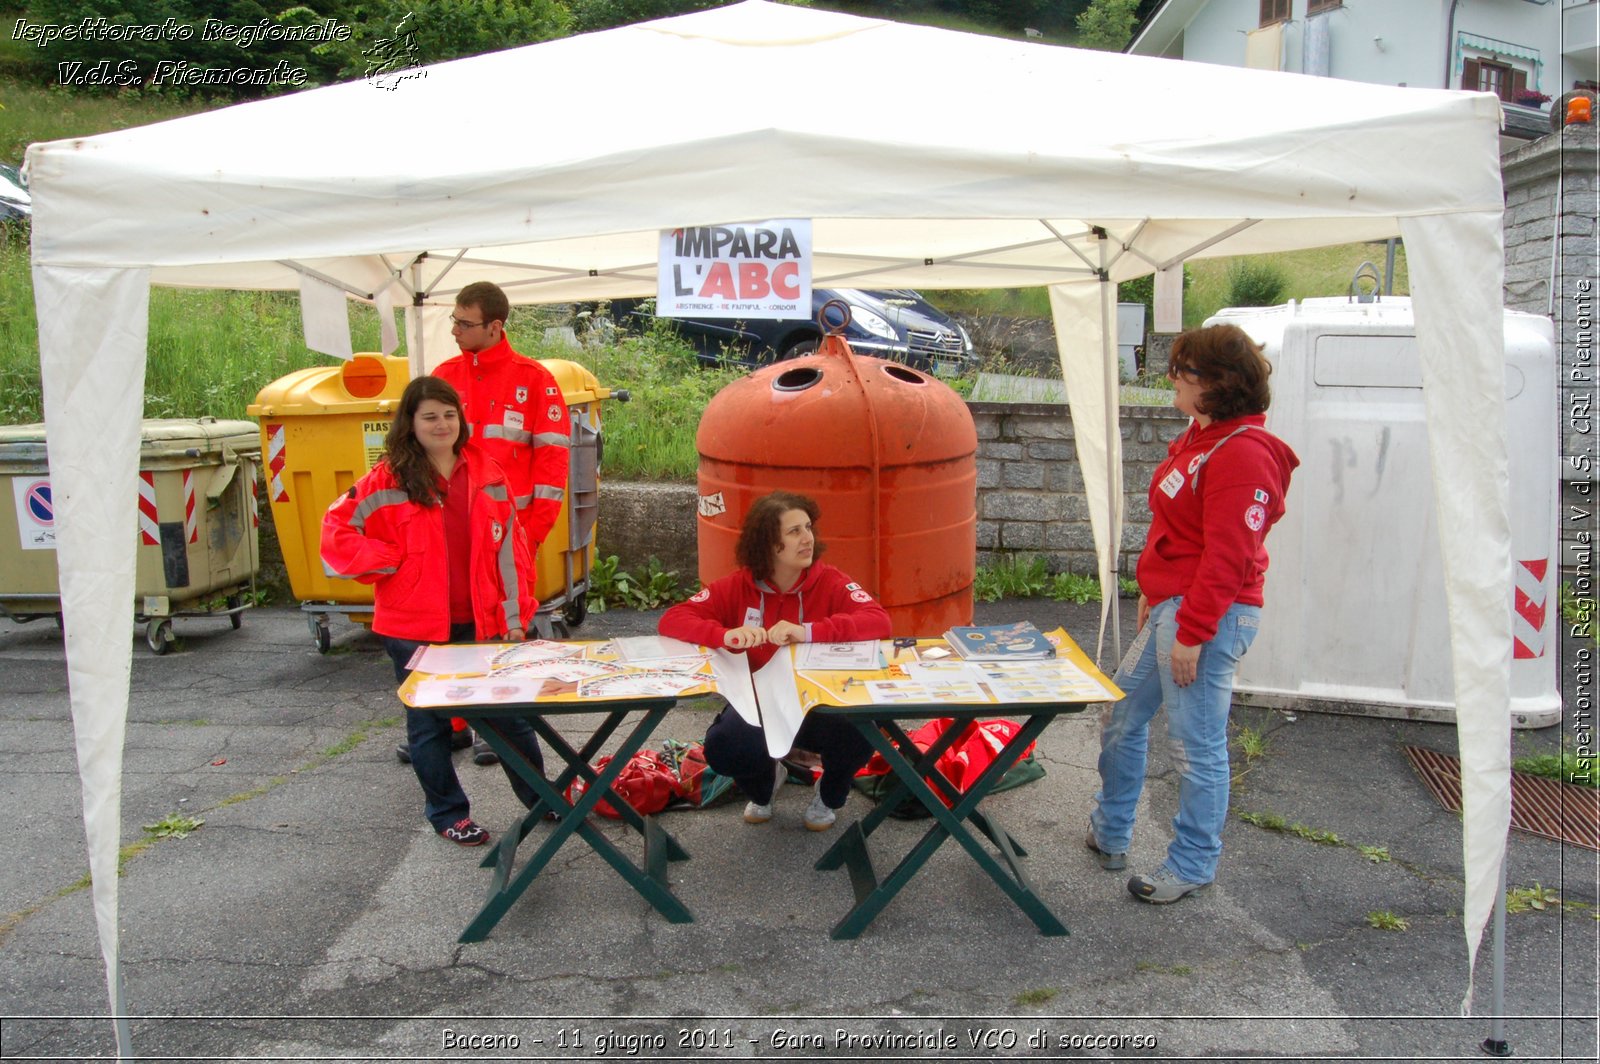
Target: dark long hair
[1231, 367]
[406, 458]
[762, 533]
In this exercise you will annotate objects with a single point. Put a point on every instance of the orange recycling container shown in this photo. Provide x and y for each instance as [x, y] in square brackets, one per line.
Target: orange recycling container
[888, 452]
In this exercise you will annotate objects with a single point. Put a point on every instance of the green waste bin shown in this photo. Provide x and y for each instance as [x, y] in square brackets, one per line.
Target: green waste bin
[197, 551]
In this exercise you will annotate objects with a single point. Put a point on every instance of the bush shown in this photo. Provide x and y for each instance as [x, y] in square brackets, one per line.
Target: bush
[1255, 284]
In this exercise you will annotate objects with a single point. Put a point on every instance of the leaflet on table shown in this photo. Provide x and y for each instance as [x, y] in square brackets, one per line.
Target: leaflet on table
[474, 689]
[864, 654]
[1000, 642]
[455, 658]
[1070, 677]
[640, 648]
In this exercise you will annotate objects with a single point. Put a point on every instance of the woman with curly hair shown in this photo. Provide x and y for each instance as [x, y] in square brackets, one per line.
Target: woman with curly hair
[780, 595]
[1201, 575]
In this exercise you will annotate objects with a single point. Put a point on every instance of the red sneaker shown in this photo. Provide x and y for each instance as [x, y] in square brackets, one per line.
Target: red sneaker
[465, 833]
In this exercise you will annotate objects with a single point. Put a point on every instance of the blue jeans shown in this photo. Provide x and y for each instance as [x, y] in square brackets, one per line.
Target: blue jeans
[1197, 726]
[443, 800]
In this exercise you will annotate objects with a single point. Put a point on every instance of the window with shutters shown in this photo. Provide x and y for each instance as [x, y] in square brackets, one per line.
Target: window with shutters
[1316, 6]
[1489, 75]
[1274, 11]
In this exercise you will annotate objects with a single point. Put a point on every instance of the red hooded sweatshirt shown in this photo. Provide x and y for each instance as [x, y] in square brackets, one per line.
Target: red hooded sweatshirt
[1211, 503]
[830, 606]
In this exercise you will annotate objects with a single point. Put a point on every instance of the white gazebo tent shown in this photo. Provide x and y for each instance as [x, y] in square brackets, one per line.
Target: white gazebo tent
[988, 163]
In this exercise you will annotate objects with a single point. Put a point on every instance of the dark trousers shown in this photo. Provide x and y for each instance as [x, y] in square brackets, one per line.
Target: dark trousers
[428, 733]
[739, 750]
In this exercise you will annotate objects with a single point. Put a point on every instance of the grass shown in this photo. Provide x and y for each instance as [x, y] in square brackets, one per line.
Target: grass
[1568, 766]
[1384, 920]
[1040, 996]
[35, 113]
[1252, 744]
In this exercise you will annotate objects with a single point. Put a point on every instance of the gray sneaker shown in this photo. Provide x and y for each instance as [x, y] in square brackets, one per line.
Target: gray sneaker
[1111, 862]
[818, 815]
[755, 813]
[1162, 887]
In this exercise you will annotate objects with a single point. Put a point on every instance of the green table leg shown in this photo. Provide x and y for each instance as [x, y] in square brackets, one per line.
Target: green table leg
[949, 823]
[650, 882]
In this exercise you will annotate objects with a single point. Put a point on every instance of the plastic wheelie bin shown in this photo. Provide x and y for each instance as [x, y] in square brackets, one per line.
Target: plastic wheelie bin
[197, 547]
[323, 428]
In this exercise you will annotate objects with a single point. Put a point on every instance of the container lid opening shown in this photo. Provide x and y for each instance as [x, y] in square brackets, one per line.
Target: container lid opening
[797, 380]
[901, 373]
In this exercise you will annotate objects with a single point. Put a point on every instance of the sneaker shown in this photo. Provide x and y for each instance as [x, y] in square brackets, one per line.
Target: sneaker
[1161, 887]
[819, 816]
[460, 740]
[465, 833]
[755, 813]
[1111, 862]
[403, 752]
[481, 754]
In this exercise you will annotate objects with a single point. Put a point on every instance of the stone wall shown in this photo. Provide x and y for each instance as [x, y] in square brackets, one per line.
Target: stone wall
[1030, 493]
[1030, 488]
[1560, 168]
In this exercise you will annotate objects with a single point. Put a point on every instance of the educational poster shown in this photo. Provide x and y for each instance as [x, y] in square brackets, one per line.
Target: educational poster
[751, 270]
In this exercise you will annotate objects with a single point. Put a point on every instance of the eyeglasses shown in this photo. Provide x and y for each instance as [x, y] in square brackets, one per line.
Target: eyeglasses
[459, 324]
[1193, 376]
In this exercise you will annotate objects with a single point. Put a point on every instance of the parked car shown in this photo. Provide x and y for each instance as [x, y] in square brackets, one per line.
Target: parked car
[14, 199]
[895, 324]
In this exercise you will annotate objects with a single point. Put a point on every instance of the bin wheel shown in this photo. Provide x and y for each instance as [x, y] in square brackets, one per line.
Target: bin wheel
[236, 618]
[319, 632]
[575, 611]
[558, 629]
[158, 634]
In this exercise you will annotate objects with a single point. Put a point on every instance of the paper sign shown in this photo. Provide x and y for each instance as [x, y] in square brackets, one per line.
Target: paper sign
[325, 318]
[36, 513]
[752, 270]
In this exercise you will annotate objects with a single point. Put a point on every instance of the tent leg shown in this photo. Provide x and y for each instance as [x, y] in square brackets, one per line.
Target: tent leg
[1113, 383]
[1496, 1045]
[119, 1019]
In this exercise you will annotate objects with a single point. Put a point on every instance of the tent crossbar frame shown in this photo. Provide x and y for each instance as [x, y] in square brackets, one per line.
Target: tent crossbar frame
[349, 289]
[1066, 242]
[1126, 244]
[1197, 248]
[420, 293]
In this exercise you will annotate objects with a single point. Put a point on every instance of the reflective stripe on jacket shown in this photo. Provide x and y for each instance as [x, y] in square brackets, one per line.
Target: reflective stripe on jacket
[375, 534]
[516, 413]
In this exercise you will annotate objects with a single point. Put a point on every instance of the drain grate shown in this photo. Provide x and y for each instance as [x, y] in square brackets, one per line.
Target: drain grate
[1565, 812]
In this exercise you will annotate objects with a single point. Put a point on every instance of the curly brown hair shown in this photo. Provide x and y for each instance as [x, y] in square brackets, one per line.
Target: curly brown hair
[1230, 366]
[762, 533]
[406, 458]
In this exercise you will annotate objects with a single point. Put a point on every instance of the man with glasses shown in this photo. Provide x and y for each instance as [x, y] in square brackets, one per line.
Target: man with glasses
[515, 413]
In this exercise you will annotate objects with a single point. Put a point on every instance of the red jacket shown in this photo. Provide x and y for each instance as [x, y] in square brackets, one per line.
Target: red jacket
[515, 412]
[830, 606]
[1211, 503]
[375, 534]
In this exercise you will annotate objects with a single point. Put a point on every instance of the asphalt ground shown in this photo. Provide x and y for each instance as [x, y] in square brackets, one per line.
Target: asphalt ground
[314, 915]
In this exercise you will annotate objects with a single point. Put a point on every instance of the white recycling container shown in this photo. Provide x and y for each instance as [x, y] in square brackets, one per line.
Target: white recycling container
[1354, 620]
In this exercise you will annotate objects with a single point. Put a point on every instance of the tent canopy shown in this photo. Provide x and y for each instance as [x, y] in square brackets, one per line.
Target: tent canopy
[925, 158]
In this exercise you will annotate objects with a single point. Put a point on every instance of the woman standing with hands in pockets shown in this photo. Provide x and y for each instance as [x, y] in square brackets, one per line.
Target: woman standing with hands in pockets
[1201, 575]
[431, 526]
[781, 595]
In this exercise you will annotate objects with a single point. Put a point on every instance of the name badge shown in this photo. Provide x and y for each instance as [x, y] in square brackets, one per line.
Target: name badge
[752, 617]
[514, 419]
[1171, 483]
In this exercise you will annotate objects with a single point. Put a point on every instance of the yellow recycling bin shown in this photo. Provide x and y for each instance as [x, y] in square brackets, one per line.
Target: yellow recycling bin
[197, 545]
[323, 428]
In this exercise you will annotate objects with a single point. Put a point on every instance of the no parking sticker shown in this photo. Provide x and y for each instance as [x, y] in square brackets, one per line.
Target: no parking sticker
[36, 513]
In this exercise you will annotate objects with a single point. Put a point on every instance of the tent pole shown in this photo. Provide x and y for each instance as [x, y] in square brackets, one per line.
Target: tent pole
[1108, 369]
[1496, 1045]
[119, 1017]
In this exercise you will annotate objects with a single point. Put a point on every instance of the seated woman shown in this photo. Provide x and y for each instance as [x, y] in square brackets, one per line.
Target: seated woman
[781, 595]
[432, 527]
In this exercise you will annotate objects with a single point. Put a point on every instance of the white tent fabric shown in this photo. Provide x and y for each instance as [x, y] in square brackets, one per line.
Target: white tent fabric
[989, 163]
